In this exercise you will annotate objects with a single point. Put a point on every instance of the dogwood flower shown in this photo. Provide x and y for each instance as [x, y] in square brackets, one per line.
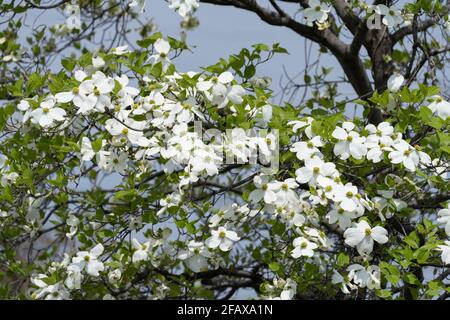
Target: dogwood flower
[305, 150]
[88, 260]
[445, 249]
[284, 190]
[392, 16]
[346, 285]
[262, 190]
[370, 277]
[141, 250]
[350, 143]
[87, 152]
[184, 7]
[196, 256]
[137, 5]
[47, 113]
[222, 238]
[162, 48]
[440, 107]
[444, 218]
[409, 156]
[97, 89]
[362, 235]
[314, 167]
[395, 82]
[317, 11]
[131, 129]
[218, 84]
[121, 50]
[303, 247]
[341, 217]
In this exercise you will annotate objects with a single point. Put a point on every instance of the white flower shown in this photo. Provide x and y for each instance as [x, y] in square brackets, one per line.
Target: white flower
[303, 247]
[126, 94]
[23, 105]
[74, 277]
[392, 16]
[289, 290]
[284, 190]
[445, 249]
[88, 260]
[47, 113]
[121, 50]
[346, 285]
[444, 218]
[222, 238]
[196, 256]
[97, 63]
[218, 84]
[73, 222]
[184, 7]
[370, 278]
[348, 197]
[205, 160]
[49, 292]
[395, 82]
[314, 167]
[262, 190]
[87, 153]
[162, 48]
[305, 125]
[305, 150]
[362, 235]
[350, 143]
[440, 107]
[317, 11]
[141, 250]
[341, 217]
[114, 276]
[138, 5]
[131, 129]
[77, 96]
[233, 94]
[97, 91]
[409, 156]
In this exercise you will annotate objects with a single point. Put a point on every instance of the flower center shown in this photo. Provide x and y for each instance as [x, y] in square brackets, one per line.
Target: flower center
[87, 258]
[368, 231]
[45, 110]
[349, 194]
[304, 245]
[284, 186]
[407, 152]
[349, 138]
[310, 144]
[222, 234]
[125, 131]
[316, 170]
[76, 90]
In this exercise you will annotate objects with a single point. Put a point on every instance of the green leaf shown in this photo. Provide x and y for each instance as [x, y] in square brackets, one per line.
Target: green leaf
[274, 266]
[343, 260]
[249, 71]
